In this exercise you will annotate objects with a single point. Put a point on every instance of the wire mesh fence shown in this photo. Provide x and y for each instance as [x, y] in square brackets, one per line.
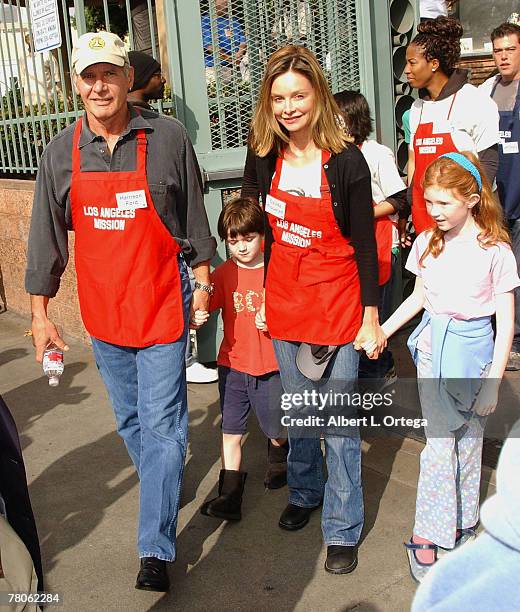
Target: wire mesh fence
[238, 36]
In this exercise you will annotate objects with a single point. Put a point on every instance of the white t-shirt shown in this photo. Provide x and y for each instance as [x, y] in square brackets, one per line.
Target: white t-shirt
[473, 121]
[429, 9]
[301, 181]
[487, 86]
[464, 280]
[384, 175]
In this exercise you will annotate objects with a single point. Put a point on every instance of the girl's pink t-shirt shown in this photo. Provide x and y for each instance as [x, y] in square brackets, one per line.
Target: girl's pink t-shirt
[464, 279]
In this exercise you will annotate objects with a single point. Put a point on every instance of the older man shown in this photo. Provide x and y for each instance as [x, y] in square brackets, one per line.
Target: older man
[136, 225]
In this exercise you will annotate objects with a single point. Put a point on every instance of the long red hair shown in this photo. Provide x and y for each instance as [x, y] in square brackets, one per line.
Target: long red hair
[444, 173]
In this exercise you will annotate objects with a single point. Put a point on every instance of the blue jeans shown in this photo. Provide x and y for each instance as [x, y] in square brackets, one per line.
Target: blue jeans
[147, 389]
[342, 494]
[514, 230]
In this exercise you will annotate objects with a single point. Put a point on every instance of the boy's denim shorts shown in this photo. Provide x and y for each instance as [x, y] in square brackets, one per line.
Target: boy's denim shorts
[239, 392]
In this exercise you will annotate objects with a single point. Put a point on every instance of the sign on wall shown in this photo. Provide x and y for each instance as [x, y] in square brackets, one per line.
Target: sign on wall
[45, 24]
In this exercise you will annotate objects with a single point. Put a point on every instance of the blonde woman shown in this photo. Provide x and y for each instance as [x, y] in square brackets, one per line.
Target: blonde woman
[321, 289]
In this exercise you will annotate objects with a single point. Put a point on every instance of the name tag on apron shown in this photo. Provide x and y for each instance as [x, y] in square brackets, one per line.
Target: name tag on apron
[275, 207]
[130, 200]
[509, 147]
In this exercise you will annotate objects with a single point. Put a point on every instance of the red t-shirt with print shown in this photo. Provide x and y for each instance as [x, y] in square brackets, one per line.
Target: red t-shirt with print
[238, 292]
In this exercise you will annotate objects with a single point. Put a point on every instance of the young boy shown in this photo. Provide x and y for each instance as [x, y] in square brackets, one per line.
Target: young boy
[247, 367]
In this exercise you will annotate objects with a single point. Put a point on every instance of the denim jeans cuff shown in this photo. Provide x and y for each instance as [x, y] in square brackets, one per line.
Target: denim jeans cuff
[156, 556]
[300, 505]
[337, 543]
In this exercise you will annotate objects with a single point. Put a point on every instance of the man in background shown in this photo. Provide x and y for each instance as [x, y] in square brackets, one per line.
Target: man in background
[503, 89]
[148, 80]
[228, 46]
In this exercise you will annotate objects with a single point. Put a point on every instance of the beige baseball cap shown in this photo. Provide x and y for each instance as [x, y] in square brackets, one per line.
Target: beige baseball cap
[96, 48]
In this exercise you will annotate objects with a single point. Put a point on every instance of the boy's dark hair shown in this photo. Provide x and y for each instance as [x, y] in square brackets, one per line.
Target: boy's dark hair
[356, 113]
[505, 29]
[439, 39]
[240, 216]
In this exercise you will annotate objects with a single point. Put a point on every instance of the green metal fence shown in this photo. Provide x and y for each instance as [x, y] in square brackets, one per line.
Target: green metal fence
[37, 99]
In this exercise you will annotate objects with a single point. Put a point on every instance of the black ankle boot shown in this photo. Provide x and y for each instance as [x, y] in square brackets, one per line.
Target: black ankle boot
[228, 504]
[276, 474]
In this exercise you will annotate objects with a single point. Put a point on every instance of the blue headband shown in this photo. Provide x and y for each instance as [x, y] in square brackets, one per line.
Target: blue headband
[463, 161]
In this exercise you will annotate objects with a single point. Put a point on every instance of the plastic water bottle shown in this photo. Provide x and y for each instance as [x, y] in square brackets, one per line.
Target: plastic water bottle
[53, 364]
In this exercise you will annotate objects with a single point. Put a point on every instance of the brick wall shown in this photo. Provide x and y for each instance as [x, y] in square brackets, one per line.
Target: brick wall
[481, 68]
[15, 212]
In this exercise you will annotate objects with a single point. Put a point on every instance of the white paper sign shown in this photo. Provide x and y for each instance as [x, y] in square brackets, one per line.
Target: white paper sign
[275, 207]
[509, 147]
[45, 25]
[130, 200]
[466, 45]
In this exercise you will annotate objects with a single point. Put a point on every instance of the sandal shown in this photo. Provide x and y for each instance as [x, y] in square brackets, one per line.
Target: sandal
[419, 570]
[465, 535]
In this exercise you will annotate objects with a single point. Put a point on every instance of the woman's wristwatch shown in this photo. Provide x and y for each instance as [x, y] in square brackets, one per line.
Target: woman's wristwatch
[207, 288]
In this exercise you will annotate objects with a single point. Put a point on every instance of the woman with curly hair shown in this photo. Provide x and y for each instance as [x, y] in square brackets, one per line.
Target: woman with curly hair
[450, 115]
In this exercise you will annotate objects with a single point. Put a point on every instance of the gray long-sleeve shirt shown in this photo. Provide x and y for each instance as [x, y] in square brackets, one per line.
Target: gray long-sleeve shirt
[173, 178]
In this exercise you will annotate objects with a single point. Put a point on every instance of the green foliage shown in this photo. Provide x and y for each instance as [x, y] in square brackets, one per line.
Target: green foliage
[95, 19]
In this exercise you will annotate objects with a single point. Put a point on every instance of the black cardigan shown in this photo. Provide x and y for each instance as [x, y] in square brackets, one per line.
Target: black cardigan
[349, 180]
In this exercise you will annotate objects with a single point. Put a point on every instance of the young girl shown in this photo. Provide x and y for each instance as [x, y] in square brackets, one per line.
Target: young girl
[321, 290]
[466, 272]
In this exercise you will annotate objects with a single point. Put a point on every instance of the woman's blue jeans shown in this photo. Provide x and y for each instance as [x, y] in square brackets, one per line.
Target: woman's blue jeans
[342, 494]
[147, 389]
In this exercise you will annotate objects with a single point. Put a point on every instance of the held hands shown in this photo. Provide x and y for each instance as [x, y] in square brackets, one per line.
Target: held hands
[487, 399]
[44, 333]
[260, 321]
[200, 305]
[371, 339]
[198, 318]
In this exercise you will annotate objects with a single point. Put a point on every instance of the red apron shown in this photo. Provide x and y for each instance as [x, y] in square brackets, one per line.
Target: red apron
[126, 260]
[312, 286]
[427, 146]
[384, 232]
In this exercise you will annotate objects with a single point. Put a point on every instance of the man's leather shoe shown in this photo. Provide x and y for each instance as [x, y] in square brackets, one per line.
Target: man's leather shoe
[295, 517]
[341, 559]
[153, 575]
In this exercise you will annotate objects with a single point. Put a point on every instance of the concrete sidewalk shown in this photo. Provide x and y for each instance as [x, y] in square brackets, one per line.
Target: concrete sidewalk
[85, 497]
